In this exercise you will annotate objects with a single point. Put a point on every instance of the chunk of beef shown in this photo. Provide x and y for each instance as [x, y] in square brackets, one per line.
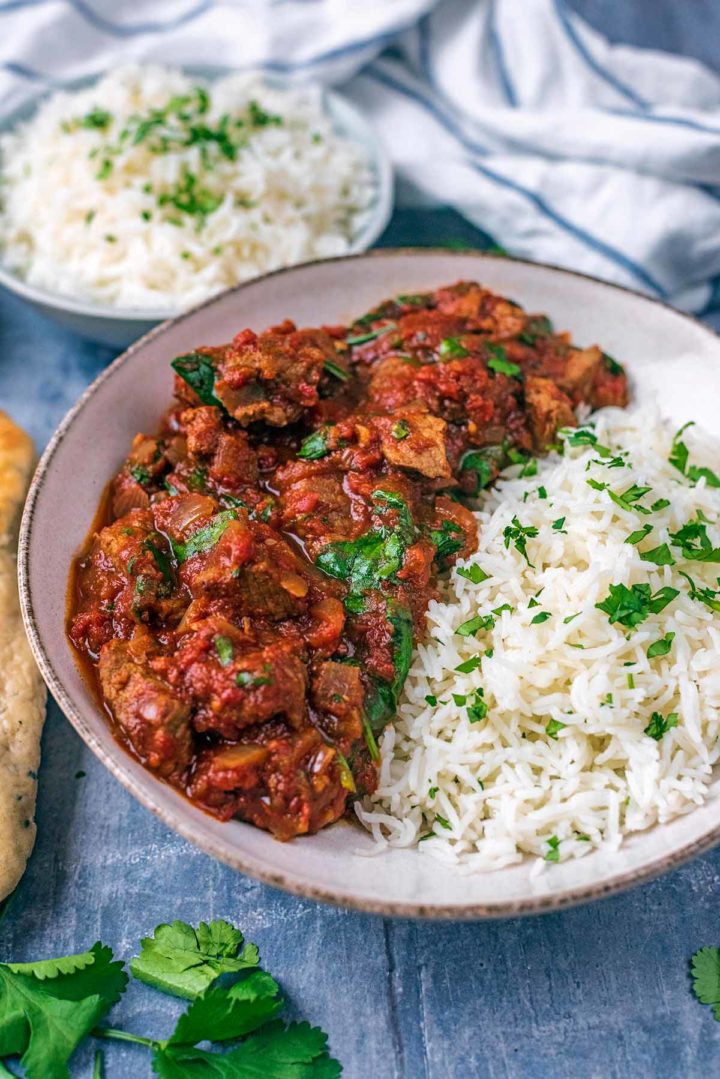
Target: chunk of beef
[338, 690]
[580, 372]
[299, 788]
[272, 377]
[486, 312]
[414, 440]
[548, 410]
[225, 456]
[126, 578]
[154, 719]
[244, 685]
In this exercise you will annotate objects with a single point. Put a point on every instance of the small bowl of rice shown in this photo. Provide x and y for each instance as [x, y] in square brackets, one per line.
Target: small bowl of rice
[127, 200]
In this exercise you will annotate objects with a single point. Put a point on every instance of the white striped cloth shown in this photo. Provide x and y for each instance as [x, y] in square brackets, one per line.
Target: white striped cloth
[565, 148]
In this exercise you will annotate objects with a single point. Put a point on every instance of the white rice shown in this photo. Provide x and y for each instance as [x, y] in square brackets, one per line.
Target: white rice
[296, 191]
[502, 786]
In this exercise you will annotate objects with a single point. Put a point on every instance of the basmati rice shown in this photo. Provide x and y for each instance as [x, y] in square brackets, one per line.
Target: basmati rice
[94, 185]
[569, 756]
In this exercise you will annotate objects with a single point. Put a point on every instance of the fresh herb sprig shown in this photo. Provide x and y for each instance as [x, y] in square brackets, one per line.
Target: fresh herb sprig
[48, 1008]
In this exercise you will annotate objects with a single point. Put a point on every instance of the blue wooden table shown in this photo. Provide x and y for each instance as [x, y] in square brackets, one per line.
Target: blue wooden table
[601, 992]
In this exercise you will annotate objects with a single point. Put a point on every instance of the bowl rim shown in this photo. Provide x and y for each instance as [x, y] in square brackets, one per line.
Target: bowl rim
[532, 905]
[376, 221]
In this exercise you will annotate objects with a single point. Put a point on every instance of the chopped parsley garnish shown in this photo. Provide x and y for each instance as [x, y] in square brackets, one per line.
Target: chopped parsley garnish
[518, 534]
[710, 597]
[631, 606]
[542, 616]
[336, 370]
[581, 436]
[553, 852]
[140, 474]
[364, 338]
[477, 710]
[661, 647]
[469, 665]
[659, 556]
[224, 649]
[541, 492]
[553, 727]
[431, 699]
[517, 457]
[472, 573]
[400, 430]
[695, 544]
[474, 625]
[639, 534]
[246, 679]
[661, 504]
[499, 362]
[433, 791]
[630, 681]
[679, 457]
[558, 525]
[96, 120]
[452, 348]
[571, 618]
[659, 725]
[314, 446]
[443, 822]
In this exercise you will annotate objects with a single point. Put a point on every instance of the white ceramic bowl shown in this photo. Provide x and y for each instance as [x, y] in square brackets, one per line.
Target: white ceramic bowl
[120, 326]
[670, 358]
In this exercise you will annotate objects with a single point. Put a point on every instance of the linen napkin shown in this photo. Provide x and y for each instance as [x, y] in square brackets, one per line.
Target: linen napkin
[598, 157]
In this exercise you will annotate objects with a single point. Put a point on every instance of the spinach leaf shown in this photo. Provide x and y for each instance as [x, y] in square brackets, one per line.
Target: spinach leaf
[205, 537]
[198, 371]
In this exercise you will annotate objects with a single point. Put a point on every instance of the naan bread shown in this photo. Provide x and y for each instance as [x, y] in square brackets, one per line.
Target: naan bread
[22, 693]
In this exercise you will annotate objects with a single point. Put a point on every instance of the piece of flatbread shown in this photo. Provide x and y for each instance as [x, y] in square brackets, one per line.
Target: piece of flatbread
[22, 692]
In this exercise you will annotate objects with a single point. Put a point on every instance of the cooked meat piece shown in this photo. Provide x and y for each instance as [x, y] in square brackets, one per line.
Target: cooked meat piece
[272, 377]
[337, 689]
[485, 311]
[154, 719]
[548, 410]
[580, 372]
[246, 688]
[414, 440]
[226, 458]
[299, 792]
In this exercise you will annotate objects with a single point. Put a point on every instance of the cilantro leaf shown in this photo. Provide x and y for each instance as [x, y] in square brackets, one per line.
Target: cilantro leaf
[472, 573]
[518, 534]
[631, 606]
[298, 1051]
[452, 348]
[659, 556]
[184, 961]
[705, 971]
[553, 726]
[499, 362]
[47, 1008]
[661, 647]
[659, 725]
[222, 1014]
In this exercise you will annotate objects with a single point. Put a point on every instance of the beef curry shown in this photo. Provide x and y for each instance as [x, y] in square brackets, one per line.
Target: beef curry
[260, 567]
